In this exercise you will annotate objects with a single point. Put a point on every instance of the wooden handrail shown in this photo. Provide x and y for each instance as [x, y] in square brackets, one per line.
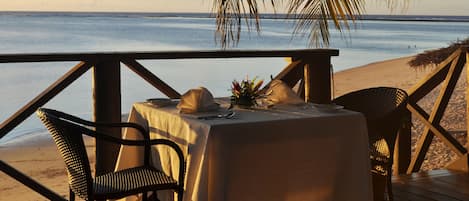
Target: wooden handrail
[61, 57]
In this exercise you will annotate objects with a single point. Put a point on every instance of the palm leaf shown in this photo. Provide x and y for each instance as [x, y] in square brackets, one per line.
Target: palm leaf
[313, 17]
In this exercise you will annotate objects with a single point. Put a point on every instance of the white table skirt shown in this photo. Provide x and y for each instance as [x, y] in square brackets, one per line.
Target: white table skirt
[285, 153]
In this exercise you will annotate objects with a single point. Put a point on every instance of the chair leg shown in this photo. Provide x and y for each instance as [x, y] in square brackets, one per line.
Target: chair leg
[379, 187]
[71, 195]
[389, 188]
[180, 194]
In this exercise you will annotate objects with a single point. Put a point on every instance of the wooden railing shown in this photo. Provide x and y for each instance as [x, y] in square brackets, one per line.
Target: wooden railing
[447, 74]
[310, 70]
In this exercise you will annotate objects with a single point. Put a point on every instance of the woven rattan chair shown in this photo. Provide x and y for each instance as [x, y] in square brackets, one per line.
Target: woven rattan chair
[67, 131]
[384, 109]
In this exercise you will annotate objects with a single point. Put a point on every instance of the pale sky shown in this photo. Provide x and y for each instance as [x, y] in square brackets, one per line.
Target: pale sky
[425, 7]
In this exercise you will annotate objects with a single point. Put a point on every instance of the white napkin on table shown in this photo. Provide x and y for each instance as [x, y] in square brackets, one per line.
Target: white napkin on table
[197, 100]
[279, 93]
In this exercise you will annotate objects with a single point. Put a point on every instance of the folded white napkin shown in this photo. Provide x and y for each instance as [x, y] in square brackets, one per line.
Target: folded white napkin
[197, 100]
[279, 93]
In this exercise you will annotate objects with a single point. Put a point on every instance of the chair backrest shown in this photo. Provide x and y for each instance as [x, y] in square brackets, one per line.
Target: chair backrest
[383, 108]
[69, 140]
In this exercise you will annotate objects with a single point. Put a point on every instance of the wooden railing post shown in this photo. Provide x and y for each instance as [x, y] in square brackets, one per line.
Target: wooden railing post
[403, 150]
[107, 108]
[462, 163]
[465, 159]
[317, 79]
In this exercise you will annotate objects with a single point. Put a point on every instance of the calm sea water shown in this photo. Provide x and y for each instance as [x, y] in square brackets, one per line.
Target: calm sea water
[372, 40]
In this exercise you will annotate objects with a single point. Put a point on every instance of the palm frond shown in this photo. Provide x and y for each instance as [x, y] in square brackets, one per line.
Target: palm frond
[229, 15]
[312, 16]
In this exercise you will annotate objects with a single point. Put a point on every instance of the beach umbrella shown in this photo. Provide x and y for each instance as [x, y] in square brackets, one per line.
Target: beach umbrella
[312, 17]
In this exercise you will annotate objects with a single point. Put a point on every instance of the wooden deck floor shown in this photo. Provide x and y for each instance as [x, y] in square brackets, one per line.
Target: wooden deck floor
[437, 185]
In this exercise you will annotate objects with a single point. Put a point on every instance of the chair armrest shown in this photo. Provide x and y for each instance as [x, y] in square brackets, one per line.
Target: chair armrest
[142, 131]
[146, 143]
[112, 139]
[177, 149]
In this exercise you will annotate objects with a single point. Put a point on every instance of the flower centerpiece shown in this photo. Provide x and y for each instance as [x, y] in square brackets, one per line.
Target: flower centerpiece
[244, 93]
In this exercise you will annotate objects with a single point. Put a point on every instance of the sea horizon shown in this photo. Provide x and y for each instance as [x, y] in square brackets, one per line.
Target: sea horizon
[381, 17]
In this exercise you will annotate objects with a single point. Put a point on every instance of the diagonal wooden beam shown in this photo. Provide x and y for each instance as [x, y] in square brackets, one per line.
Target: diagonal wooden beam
[438, 130]
[44, 97]
[31, 183]
[437, 112]
[433, 79]
[291, 74]
[151, 78]
[423, 144]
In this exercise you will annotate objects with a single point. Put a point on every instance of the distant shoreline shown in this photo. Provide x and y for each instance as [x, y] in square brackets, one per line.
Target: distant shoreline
[430, 18]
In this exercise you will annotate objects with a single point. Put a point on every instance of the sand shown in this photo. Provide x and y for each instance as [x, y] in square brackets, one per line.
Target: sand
[391, 73]
[41, 161]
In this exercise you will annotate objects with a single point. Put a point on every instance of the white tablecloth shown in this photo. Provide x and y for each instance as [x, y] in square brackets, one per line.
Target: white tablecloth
[284, 153]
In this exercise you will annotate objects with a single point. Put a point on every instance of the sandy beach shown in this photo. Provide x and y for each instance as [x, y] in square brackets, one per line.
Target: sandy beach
[41, 161]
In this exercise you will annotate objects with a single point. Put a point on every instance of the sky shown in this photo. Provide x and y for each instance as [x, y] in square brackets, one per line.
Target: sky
[418, 7]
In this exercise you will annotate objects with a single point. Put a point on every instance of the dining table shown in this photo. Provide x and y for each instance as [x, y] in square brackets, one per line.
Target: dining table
[303, 152]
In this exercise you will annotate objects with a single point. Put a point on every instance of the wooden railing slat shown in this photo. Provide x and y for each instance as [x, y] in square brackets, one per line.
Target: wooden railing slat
[422, 144]
[427, 84]
[436, 129]
[12, 172]
[434, 78]
[151, 78]
[43, 97]
[290, 74]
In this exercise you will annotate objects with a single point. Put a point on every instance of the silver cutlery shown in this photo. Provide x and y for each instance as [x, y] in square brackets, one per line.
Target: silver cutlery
[230, 114]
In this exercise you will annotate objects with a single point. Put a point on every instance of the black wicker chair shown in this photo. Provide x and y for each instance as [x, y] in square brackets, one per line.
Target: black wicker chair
[67, 131]
[384, 109]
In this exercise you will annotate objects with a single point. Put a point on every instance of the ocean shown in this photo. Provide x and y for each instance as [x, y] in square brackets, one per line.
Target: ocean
[375, 38]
